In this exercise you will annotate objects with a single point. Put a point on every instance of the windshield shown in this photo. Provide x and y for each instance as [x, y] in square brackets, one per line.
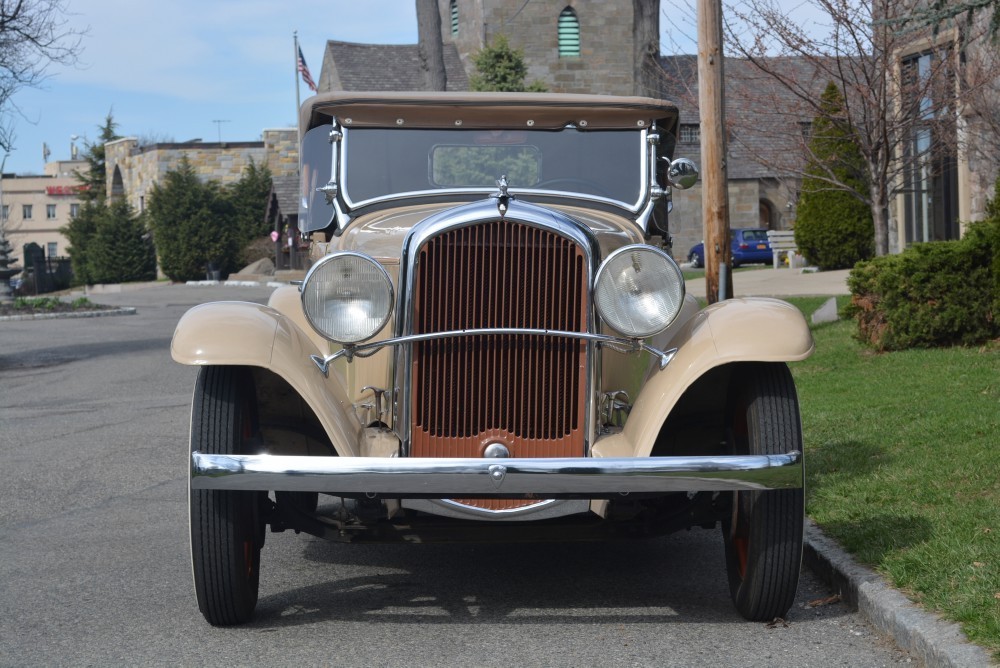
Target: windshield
[389, 162]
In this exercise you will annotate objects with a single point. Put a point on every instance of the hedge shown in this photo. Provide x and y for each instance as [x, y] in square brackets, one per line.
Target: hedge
[933, 294]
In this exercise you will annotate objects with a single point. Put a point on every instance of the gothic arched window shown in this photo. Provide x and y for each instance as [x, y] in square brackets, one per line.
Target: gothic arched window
[569, 33]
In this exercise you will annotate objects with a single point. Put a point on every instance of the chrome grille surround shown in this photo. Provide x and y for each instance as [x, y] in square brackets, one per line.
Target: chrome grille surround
[485, 213]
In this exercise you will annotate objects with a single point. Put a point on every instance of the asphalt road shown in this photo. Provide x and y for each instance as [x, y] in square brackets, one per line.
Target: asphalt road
[94, 566]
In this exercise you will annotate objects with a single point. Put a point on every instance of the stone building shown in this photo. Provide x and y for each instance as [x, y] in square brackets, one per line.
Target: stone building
[947, 170]
[133, 169]
[35, 207]
[582, 46]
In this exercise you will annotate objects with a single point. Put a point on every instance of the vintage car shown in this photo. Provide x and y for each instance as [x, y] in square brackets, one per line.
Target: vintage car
[492, 342]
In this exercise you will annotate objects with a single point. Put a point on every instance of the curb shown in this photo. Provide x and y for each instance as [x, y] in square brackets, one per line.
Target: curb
[240, 284]
[933, 640]
[125, 310]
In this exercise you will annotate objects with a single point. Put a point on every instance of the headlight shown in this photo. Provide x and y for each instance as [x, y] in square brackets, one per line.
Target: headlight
[347, 297]
[639, 291]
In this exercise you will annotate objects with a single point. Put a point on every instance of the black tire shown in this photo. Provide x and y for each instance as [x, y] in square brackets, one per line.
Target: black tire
[695, 261]
[763, 535]
[227, 531]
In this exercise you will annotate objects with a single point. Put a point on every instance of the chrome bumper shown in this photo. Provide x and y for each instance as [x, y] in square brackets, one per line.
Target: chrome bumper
[583, 477]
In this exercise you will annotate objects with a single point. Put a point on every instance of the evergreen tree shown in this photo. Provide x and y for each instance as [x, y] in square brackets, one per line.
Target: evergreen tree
[193, 225]
[93, 181]
[501, 68]
[249, 196]
[834, 228]
[121, 250]
[80, 233]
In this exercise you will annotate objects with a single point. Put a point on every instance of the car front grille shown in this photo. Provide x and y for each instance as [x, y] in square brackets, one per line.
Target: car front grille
[525, 392]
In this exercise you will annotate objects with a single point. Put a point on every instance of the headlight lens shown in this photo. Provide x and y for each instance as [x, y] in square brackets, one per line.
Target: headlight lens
[347, 297]
[639, 291]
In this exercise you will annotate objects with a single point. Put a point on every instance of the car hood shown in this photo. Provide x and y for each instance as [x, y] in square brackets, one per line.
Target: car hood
[381, 234]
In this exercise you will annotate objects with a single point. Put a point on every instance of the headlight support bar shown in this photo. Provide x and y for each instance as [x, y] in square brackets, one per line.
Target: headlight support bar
[364, 350]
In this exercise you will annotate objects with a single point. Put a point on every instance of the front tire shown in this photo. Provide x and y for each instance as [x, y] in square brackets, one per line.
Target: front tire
[227, 531]
[763, 535]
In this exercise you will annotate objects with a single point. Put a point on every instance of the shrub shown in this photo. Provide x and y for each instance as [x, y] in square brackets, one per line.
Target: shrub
[834, 228]
[121, 250]
[500, 67]
[193, 225]
[933, 294]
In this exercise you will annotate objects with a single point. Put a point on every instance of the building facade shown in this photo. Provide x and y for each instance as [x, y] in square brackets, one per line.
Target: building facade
[36, 207]
[133, 169]
[947, 88]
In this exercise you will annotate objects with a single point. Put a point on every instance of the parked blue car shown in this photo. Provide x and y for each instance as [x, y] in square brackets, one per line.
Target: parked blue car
[749, 246]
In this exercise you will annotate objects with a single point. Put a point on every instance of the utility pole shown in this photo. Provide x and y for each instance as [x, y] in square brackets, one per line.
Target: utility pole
[714, 176]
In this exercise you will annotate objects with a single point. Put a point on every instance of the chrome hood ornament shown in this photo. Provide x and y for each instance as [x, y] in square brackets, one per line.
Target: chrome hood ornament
[502, 197]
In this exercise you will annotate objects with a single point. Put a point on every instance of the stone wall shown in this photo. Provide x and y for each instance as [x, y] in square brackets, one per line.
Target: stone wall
[133, 170]
[604, 66]
[745, 198]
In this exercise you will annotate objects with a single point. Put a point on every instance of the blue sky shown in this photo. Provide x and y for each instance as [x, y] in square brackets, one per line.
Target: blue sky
[168, 70]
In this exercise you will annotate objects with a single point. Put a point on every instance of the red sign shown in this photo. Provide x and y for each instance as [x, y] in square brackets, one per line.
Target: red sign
[62, 190]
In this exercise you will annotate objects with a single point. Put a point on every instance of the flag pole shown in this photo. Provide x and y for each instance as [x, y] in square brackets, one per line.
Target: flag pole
[298, 102]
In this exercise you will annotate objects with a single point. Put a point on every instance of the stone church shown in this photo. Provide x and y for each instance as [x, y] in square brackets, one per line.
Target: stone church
[607, 47]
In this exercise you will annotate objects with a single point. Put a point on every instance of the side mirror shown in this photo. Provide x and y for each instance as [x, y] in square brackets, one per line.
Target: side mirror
[682, 174]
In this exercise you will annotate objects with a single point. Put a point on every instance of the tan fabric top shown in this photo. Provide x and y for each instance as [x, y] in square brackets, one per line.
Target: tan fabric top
[484, 110]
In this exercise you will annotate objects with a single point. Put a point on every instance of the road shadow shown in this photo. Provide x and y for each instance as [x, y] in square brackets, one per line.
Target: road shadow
[676, 579]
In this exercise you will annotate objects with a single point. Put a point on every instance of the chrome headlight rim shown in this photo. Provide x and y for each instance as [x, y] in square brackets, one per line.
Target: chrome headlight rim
[332, 257]
[644, 248]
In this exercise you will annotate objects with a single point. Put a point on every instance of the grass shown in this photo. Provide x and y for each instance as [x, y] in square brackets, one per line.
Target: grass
[26, 305]
[903, 467]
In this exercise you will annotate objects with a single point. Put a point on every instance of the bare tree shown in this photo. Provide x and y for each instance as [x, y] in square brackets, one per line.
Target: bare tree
[646, 46]
[430, 45]
[33, 35]
[936, 13]
[780, 69]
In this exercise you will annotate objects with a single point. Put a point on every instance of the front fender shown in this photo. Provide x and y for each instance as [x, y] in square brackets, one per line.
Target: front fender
[246, 334]
[735, 330]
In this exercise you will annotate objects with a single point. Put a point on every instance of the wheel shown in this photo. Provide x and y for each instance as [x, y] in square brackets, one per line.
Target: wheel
[227, 531]
[695, 260]
[763, 535]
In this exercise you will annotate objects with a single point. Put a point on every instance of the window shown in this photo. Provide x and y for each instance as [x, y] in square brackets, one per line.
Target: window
[26, 211]
[930, 199]
[6, 211]
[52, 249]
[74, 210]
[50, 211]
[454, 18]
[142, 203]
[690, 133]
[569, 33]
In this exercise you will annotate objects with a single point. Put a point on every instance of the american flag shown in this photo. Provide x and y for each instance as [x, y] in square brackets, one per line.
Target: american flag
[304, 70]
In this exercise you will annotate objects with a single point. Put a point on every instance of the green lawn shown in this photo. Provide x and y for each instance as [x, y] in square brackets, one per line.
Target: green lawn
[903, 467]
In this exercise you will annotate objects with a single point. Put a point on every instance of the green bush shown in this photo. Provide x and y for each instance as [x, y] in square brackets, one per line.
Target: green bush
[834, 228]
[934, 294]
[193, 225]
[121, 250]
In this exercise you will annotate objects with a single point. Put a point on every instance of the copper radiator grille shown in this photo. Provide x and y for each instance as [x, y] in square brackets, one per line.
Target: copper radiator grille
[527, 392]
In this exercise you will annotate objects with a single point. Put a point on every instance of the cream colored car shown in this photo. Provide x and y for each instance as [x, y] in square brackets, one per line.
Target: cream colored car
[493, 340]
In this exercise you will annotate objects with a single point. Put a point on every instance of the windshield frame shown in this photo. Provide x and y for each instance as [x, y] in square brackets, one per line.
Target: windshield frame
[470, 193]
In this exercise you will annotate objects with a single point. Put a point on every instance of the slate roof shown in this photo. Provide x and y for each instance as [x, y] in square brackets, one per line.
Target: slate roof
[285, 195]
[767, 123]
[384, 67]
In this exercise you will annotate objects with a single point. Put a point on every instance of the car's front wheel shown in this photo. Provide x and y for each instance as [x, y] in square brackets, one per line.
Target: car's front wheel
[695, 260]
[763, 534]
[227, 531]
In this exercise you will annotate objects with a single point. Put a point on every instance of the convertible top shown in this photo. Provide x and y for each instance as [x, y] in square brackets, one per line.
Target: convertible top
[484, 110]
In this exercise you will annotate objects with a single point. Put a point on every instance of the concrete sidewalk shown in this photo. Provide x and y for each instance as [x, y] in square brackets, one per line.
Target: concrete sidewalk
[781, 283]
